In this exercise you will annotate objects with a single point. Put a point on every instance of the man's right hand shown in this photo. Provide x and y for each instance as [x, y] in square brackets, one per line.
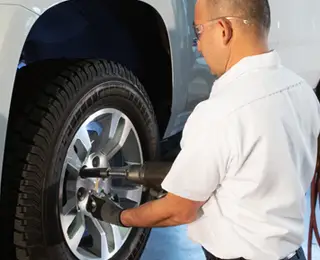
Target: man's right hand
[104, 209]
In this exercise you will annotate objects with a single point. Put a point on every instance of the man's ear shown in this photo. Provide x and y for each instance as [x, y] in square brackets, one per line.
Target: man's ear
[227, 31]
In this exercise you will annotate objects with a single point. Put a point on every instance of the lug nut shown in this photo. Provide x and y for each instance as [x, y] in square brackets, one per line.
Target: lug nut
[93, 206]
[81, 194]
[96, 161]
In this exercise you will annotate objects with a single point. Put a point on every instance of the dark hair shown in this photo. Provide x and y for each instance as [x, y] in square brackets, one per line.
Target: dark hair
[257, 11]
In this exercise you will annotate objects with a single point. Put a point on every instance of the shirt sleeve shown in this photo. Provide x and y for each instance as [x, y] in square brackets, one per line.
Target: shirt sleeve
[202, 162]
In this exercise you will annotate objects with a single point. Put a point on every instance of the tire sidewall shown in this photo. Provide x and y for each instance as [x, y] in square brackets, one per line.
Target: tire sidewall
[106, 92]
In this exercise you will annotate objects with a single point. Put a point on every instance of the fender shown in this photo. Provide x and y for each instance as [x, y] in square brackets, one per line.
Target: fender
[16, 22]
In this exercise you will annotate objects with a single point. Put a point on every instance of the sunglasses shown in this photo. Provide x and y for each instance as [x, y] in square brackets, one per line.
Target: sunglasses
[199, 28]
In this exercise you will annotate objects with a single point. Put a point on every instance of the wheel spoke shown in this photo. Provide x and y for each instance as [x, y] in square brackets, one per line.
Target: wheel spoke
[83, 136]
[73, 160]
[114, 124]
[127, 203]
[68, 214]
[77, 231]
[100, 243]
[133, 196]
[67, 220]
[126, 130]
[69, 206]
[116, 236]
[120, 129]
[129, 196]
[71, 188]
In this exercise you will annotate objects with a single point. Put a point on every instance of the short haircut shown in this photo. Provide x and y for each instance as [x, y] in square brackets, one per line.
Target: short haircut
[257, 11]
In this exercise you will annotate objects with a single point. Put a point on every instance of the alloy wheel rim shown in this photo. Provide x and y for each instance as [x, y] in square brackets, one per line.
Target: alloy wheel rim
[106, 138]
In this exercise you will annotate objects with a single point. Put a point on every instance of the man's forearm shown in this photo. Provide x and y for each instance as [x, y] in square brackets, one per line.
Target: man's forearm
[171, 210]
[152, 214]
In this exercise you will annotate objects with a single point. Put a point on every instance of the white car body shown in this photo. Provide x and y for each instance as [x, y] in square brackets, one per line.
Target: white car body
[295, 34]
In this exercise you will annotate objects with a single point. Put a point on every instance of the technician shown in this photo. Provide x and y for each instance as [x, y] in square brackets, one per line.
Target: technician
[248, 153]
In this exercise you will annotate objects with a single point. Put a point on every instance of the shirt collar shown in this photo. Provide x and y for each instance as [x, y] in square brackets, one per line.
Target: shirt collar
[245, 65]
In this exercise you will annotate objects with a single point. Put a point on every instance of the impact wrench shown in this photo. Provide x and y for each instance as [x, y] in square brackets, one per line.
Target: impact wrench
[149, 174]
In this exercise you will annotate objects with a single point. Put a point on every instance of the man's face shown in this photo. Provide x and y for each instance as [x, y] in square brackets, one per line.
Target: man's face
[213, 39]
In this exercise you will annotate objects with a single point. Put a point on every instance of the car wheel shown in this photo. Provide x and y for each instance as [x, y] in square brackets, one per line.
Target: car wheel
[64, 115]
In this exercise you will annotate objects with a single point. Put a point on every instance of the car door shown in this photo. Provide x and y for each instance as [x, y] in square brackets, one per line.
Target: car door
[200, 79]
[191, 75]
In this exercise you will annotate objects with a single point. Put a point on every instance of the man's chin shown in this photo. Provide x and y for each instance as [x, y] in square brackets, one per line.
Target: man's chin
[215, 73]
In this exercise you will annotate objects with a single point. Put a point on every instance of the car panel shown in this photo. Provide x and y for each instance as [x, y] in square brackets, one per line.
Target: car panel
[15, 25]
[295, 34]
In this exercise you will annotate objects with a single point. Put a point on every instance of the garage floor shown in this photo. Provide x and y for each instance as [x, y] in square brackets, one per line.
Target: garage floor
[173, 243]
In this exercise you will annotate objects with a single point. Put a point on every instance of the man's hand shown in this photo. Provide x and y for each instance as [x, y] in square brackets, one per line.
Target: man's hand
[104, 209]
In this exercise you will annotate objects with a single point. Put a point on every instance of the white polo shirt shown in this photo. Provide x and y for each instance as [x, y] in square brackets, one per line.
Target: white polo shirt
[250, 152]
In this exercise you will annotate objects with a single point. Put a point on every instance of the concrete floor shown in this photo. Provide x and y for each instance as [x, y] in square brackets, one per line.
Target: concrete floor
[173, 243]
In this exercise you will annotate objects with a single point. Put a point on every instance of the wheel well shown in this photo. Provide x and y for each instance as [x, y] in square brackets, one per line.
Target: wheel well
[317, 90]
[129, 32]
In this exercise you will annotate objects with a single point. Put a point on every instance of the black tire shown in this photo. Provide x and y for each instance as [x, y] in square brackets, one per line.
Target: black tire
[50, 101]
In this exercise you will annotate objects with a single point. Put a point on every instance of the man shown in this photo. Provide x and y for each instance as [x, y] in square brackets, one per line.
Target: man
[248, 152]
